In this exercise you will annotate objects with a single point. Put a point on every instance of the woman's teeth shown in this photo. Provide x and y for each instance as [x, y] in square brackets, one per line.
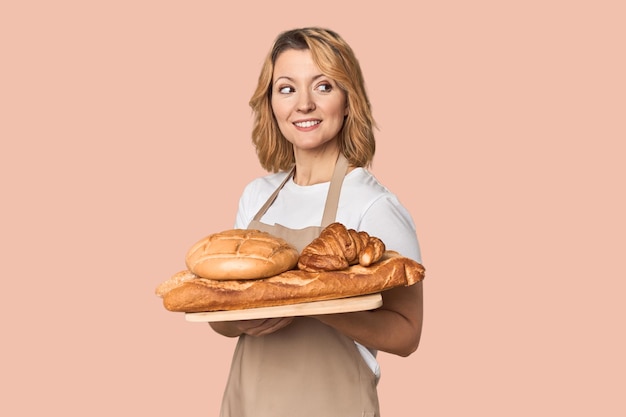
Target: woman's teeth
[307, 123]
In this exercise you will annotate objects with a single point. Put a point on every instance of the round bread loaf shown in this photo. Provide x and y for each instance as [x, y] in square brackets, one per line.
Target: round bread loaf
[241, 254]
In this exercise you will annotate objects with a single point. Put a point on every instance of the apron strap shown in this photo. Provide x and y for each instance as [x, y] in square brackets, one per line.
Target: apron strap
[270, 200]
[332, 198]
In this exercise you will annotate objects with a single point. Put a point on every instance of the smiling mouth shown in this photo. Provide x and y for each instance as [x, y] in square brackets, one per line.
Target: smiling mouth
[308, 123]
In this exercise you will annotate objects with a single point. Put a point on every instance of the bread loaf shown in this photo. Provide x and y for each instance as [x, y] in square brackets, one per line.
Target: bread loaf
[186, 292]
[337, 248]
[240, 254]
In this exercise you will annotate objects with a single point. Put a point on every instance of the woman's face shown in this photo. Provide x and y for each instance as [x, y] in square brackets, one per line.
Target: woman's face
[309, 106]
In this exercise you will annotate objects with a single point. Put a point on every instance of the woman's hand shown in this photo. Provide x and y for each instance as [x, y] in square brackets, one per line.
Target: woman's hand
[258, 327]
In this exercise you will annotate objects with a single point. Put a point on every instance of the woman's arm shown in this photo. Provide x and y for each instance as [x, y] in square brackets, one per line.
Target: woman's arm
[395, 327]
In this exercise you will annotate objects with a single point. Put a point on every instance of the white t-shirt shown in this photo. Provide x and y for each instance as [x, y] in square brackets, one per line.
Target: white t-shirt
[364, 205]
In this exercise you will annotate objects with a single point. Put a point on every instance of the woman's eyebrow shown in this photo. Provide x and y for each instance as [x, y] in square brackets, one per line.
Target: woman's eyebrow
[292, 80]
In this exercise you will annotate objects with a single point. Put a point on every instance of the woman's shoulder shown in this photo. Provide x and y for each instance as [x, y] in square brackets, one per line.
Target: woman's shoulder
[365, 192]
[254, 194]
[362, 183]
[265, 182]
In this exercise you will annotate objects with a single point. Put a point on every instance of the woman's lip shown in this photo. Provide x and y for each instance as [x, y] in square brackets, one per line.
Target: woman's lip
[308, 124]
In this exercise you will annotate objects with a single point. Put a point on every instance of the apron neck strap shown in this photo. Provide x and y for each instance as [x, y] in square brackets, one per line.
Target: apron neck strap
[332, 198]
[270, 200]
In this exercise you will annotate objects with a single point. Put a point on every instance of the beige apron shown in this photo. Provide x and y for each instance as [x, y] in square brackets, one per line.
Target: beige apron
[306, 369]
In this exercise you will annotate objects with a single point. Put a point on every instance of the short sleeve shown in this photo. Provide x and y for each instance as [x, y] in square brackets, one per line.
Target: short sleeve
[391, 222]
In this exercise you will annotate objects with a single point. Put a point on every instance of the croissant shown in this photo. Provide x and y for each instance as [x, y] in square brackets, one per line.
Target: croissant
[337, 248]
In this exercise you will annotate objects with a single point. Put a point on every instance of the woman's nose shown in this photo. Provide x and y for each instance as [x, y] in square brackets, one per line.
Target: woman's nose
[305, 103]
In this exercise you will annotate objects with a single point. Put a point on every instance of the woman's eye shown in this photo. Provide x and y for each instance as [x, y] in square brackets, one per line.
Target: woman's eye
[326, 87]
[285, 90]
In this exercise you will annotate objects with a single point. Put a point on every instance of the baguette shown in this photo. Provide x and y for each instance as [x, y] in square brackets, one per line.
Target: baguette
[186, 292]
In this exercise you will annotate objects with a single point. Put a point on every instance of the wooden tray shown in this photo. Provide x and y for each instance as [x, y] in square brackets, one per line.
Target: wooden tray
[342, 305]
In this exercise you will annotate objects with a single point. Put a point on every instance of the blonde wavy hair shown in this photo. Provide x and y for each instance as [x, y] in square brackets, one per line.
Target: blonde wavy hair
[335, 59]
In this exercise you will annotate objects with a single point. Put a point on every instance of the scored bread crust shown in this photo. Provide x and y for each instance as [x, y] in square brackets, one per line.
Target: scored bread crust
[240, 254]
[193, 294]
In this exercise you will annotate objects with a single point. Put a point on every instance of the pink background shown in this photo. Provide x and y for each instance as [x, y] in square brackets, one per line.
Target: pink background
[125, 131]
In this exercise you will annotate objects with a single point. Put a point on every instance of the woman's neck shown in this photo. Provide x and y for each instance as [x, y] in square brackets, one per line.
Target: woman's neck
[315, 167]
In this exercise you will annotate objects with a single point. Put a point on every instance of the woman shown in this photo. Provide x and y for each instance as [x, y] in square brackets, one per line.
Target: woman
[314, 131]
